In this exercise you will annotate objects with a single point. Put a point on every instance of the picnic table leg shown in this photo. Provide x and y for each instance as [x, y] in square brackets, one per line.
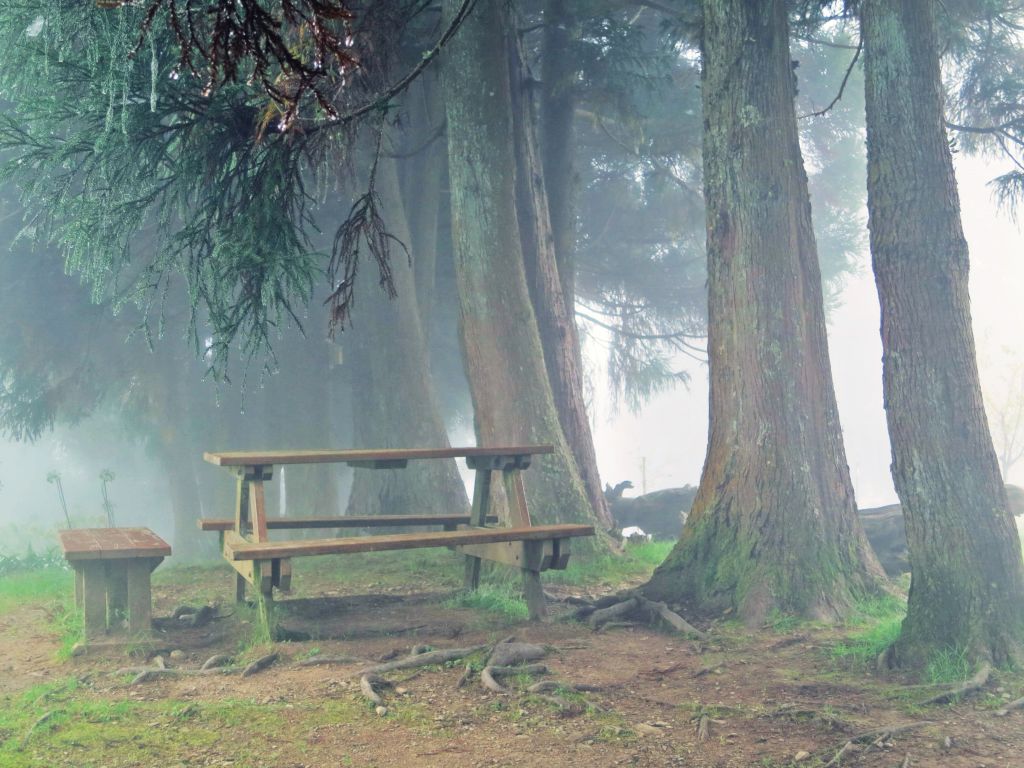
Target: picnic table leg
[79, 585]
[533, 591]
[477, 518]
[239, 588]
[263, 573]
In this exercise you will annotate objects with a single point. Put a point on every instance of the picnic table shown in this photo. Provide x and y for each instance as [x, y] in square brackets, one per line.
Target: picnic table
[266, 565]
[112, 568]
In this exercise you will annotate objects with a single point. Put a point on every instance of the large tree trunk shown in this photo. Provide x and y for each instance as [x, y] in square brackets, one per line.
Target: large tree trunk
[555, 320]
[394, 404]
[774, 525]
[512, 396]
[967, 588]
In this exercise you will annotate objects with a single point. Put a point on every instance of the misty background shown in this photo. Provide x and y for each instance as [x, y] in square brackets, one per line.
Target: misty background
[660, 446]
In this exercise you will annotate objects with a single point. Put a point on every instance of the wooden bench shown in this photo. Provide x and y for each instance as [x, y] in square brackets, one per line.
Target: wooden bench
[266, 564]
[112, 568]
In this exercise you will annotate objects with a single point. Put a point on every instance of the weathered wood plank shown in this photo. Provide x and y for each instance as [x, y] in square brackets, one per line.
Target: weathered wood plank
[515, 493]
[533, 555]
[258, 511]
[346, 521]
[257, 458]
[237, 548]
[111, 543]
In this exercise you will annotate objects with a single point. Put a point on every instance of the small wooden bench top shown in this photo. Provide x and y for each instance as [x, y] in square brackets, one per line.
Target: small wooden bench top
[111, 543]
[270, 458]
[345, 521]
[237, 548]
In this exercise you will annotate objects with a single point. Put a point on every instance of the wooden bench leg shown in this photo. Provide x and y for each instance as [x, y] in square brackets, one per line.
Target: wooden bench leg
[79, 585]
[117, 592]
[533, 591]
[140, 597]
[94, 598]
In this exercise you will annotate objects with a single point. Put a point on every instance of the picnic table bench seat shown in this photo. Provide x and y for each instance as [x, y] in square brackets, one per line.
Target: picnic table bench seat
[266, 564]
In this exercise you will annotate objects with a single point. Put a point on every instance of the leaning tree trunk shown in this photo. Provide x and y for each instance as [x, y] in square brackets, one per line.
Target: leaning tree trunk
[394, 404]
[774, 525]
[967, 587]
[555, 320]
[512, 397]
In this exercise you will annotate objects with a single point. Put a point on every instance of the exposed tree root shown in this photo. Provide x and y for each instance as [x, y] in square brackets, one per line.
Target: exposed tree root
[632, 606]
[488, 681]
[613, 612]
[318, 661]
[703, 728]
[424, 659]
[1013, 705]
[844, 750]
[671, 618]
[219, 660]
[366, 683]
[875, 736]
[973, 685]
[708, 670]
[466, 675]
[260, 664]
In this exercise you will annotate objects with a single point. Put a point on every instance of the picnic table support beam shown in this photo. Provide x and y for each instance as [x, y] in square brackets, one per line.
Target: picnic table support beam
[533, 591]
[477, 516]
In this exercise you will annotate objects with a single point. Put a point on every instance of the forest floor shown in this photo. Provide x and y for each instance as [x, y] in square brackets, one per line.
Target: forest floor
[787, 694]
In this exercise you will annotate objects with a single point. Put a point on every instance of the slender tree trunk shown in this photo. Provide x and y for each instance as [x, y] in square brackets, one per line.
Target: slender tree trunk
[774, 525]
[393, 399]
[557, 109]
[555, 320]
[512, 396]
[420, 177]
[967, 588]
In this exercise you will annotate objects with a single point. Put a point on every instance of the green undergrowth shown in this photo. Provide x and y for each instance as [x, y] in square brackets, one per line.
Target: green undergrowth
[637, 561]
[68, 724]
[499, 598]
[873, 627]
[46, 582]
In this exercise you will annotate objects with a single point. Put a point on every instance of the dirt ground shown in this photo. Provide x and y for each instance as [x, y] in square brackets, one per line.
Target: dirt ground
[766, 698]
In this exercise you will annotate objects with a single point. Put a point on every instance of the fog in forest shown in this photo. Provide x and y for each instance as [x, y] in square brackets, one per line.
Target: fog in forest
[666, 438]
[99, 384]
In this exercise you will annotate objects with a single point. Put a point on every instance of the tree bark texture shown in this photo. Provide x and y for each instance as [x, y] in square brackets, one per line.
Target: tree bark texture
[557, 110]
[967, 588]
[512, 397]
[394, 404]
[774, 524]
[555, 319]
[421, 176]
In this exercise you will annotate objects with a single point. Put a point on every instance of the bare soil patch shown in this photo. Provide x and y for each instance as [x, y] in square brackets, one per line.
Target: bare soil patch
[654, 699]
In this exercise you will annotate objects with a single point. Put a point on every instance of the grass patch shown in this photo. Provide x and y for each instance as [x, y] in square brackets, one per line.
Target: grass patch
[68, 724]
[637, 561]
[35, 586]
[876, 626]
[499, 598]
[949, 665]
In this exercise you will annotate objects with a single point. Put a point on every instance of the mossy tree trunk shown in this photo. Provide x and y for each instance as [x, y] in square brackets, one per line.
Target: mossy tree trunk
[967, 588]
[554, 312]
[774, 524]
[394, 404]
[512, 396]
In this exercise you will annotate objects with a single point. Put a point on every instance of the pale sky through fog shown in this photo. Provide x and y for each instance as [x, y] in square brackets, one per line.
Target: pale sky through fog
[671, 432]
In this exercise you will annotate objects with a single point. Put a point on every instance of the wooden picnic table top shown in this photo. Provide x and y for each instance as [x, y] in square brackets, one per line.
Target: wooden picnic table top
[270, 458]
[111, 543]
